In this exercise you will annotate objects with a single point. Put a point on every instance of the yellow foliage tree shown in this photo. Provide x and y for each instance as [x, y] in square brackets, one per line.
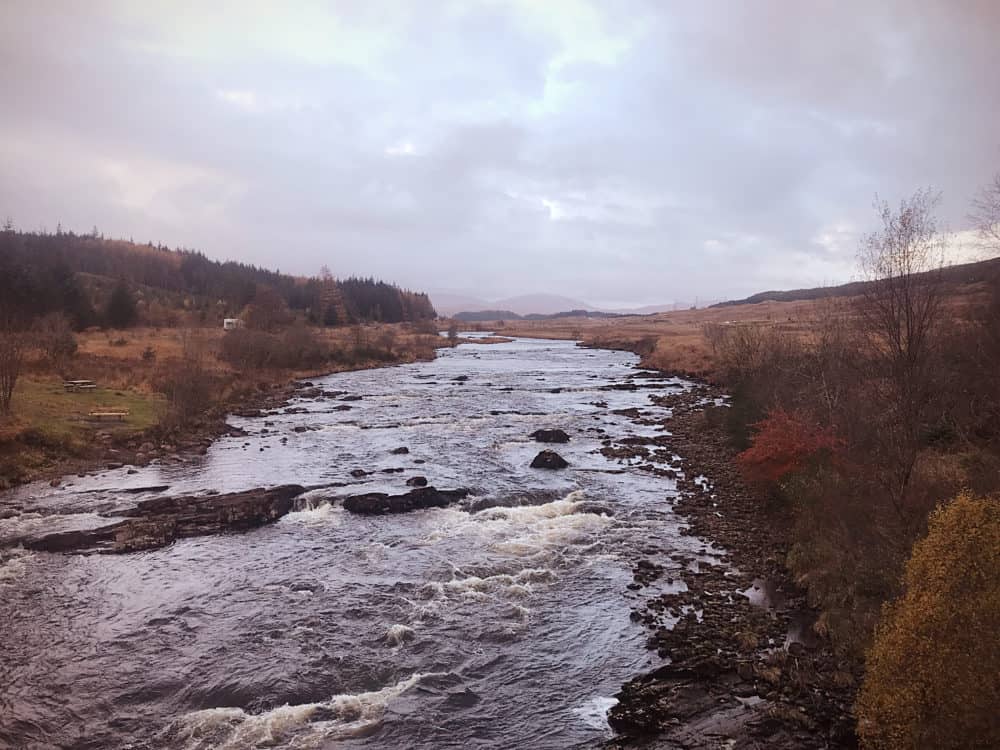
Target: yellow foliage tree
[933, 673]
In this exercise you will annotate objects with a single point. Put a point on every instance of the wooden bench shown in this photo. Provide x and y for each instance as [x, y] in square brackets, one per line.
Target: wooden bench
[100, 416]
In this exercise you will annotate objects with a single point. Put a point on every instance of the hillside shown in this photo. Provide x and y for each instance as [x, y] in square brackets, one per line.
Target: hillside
[964, 273]
[75, 275]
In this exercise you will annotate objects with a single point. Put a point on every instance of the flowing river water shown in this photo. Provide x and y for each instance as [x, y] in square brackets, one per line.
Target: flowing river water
[499, 622]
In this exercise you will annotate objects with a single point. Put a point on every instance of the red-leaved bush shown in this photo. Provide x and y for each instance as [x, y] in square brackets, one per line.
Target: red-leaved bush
[784, 442]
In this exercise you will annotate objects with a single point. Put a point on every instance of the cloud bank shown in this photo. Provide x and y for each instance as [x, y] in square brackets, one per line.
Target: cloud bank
[625, 152]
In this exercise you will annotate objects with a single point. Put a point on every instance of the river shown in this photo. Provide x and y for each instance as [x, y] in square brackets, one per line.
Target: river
[499, 622]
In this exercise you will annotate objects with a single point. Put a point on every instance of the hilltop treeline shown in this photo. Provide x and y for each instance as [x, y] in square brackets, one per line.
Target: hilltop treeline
[78, 275]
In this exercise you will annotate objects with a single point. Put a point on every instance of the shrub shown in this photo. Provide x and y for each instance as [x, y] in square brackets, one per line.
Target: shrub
[191, 390]
[54, 336]
[933, 673]
[785, 441]
[298, 347]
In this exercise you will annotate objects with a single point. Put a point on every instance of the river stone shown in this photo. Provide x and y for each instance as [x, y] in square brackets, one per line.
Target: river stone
[549, 460]
[378, 503]
[550, 436]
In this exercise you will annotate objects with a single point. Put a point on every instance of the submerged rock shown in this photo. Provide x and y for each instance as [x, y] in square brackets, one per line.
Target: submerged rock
[550, 436]
[159, 521]
[401, 451]
[378, 503]
[417, 481]
[549, 460]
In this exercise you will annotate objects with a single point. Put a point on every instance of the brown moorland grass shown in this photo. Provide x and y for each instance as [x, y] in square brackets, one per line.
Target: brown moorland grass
[676, 342]
[673, 341]
[132, 369]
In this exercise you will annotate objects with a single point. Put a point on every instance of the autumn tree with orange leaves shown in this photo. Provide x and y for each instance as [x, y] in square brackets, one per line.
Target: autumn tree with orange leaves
[785, 441]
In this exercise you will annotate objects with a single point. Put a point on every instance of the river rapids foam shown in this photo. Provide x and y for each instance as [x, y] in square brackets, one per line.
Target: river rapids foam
[291, 726]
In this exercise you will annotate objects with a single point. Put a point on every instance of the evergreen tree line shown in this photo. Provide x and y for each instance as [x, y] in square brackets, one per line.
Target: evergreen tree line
[41, 273]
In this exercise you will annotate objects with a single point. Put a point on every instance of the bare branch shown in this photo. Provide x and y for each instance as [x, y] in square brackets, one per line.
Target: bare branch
[985, 213]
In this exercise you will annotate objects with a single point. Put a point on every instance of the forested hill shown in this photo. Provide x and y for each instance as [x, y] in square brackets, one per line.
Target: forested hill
[79, 275]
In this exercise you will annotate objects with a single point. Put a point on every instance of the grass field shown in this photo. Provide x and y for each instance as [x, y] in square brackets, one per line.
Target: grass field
[676, 341]
[672, 341]
[44, 405]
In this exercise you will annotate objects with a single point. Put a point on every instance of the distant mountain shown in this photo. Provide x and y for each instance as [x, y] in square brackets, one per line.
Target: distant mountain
[463, 306]
[478, 316]
[448, 303]
[539, 304]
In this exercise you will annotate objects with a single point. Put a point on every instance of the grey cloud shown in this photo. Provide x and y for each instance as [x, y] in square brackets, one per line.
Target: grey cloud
[655, 153]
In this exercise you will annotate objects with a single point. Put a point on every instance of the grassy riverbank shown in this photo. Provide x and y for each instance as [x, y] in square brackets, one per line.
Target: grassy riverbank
[176, 385]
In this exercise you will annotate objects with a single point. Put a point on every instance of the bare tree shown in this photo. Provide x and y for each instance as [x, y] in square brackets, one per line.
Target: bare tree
[188, 384]
[899, 311]
[986, 212]
[13, 344]
[53, 334]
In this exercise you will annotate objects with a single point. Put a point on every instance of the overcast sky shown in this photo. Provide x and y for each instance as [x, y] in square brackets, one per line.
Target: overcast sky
[625, 153]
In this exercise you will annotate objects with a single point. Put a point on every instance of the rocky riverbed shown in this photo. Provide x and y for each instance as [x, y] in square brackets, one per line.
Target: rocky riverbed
[744, 666]
[373, 561]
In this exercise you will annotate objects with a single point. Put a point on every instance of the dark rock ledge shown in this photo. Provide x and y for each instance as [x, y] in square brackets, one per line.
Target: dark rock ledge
[159, 521]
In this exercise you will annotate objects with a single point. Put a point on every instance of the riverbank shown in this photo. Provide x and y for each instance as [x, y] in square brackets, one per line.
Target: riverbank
[49, 435]
[746, 663]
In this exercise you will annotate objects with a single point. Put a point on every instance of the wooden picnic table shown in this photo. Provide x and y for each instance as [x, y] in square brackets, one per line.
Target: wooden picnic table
[80, 385]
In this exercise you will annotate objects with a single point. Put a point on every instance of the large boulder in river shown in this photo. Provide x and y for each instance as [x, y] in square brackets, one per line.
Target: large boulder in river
[549, 460]
[550, 436]
[379, 503]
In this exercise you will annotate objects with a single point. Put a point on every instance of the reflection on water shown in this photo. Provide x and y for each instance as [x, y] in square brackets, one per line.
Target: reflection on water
[497, 623]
